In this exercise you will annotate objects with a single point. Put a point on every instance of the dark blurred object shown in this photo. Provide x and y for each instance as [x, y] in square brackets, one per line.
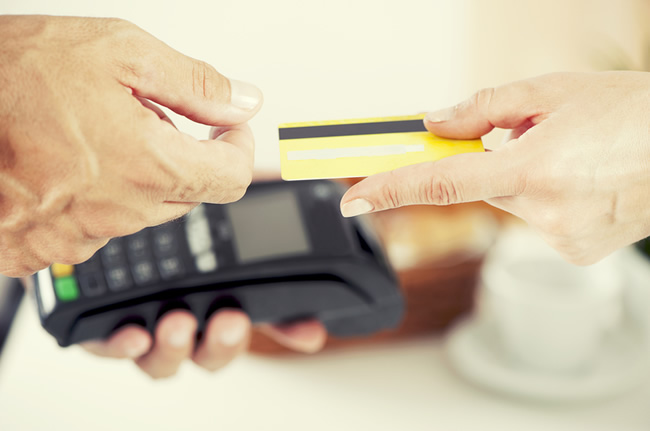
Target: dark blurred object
[11, 293]
[437, 253]
[644, 247]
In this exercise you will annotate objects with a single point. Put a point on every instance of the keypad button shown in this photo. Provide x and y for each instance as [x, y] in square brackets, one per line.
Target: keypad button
[61, 270]
[206, 262]
[144, 272]
[170, 267]
[113, 253]
[214, 211]
[164, 241]
[222, 231]
[118, 278]
[66, 288]
[92, 284]
[198, 235]
[91, 265]
[137, 246]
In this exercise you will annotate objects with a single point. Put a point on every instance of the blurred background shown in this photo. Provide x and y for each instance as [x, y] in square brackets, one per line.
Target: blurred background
[448, 365]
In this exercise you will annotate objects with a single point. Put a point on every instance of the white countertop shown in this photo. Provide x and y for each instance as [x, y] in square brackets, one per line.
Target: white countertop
[403, 385]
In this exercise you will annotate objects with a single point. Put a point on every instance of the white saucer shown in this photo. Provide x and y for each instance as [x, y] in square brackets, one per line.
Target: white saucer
[474, 353]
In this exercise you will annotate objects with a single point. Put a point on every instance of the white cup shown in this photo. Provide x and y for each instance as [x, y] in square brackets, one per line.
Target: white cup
[549, 315]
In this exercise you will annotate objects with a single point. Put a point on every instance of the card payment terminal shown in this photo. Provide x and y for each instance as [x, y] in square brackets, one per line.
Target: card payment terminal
[281, 253]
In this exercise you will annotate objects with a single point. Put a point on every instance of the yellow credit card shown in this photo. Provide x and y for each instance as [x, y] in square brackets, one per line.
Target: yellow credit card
[361, 147]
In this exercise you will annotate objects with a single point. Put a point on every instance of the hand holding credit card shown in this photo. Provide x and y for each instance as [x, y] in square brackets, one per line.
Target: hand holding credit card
[361, 147]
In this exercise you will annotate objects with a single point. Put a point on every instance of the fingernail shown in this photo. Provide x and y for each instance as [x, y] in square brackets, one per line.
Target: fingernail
[136, 348]
[313, 346]
[180, 337]
[244, 95]
[441, 115]
[233, 334]
[356, 207]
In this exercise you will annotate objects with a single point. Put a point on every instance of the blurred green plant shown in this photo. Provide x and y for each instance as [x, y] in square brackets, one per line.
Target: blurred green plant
[644, 246]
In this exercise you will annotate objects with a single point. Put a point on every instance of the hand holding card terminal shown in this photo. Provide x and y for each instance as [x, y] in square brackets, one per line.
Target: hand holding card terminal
[281, 253]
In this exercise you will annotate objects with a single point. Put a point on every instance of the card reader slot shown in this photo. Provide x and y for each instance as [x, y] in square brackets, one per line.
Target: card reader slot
[170, 293]
[271, 303]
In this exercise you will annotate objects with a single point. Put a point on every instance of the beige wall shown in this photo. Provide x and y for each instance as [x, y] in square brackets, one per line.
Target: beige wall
[515, 39]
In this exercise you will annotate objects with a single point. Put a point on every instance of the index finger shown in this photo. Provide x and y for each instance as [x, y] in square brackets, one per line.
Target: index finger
[456, 179]
[508, 106]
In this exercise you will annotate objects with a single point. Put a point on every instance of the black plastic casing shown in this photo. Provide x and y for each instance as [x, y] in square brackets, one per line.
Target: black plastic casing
[344, 280]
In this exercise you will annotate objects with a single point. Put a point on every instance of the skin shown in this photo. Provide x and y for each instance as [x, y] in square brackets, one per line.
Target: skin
[86, 154]
[226, 336]
[576, 165]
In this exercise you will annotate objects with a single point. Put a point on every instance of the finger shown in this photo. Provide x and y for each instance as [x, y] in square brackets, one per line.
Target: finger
[239, 136]
[215, 171]
[509, 204]
[517, 132]
[307, 337]
[128, 342]
[174, 342]
[27, 283]
[507, 107]
[456, 179]
[266, 175]
[156, 109]
[226, 336]
[188, 86]
[169, 211]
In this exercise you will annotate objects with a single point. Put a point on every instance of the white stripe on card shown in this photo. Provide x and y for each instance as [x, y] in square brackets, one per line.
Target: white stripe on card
[371, 151]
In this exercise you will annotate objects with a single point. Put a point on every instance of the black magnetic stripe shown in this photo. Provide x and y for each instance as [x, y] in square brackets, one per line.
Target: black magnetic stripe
[352, 129]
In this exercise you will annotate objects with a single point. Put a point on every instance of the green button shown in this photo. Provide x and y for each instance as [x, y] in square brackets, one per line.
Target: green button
[66, 288]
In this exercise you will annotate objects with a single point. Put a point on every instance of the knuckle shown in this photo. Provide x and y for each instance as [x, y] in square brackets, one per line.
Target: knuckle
[441, 190]
[552, 222]
[185, 191]
[575, 253]
[76, 254]
[120, 27]
[136, 54]
[118, 23]
[16, 271]
[99, 228]
[204, 85]
[482, 99]
[581, 260]
[16, 268]
[390, 196]
[236, 179]
[102, 230]
[239, 187]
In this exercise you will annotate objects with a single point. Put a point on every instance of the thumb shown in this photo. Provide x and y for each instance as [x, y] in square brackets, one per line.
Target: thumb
[187, 86]
[507, 107]
[455, 179]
